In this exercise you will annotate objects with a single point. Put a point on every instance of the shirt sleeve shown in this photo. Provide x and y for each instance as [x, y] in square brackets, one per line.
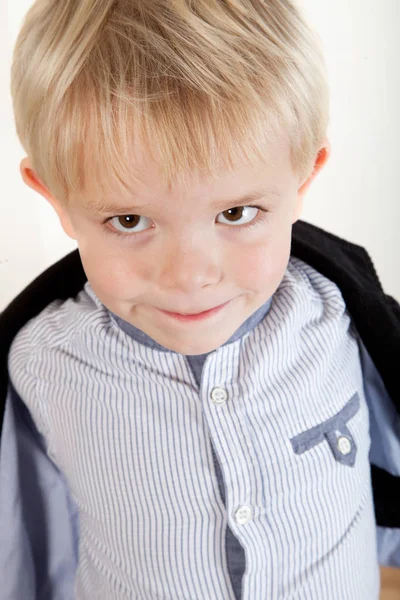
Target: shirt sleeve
[385, 447]
[39, 527]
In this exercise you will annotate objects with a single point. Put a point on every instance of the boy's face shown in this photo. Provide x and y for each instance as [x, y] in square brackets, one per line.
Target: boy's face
[184, 251]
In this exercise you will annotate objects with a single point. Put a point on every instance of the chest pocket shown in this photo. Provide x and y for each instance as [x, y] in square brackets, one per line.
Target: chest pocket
[329, 494]
[334, 432]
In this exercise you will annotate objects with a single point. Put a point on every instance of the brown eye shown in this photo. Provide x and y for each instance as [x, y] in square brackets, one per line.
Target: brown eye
[128, 221]
[239, 215]
[234, 214]
[130, 224]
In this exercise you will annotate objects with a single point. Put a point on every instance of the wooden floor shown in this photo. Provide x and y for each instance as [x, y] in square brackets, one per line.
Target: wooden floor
[390, 584]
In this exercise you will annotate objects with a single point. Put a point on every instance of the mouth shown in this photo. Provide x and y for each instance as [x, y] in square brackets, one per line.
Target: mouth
[195, 316]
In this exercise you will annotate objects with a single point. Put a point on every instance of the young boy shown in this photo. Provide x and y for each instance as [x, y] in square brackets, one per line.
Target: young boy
[194, 401]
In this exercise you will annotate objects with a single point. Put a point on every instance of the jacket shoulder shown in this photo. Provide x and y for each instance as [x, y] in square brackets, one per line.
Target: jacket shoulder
[336, 257]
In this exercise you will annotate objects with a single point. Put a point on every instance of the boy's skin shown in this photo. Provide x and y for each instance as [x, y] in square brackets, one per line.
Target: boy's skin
[164, 266]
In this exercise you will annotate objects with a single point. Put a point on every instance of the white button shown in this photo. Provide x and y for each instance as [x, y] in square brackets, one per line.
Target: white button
[344, 445]
[219, 396]
[243, 515]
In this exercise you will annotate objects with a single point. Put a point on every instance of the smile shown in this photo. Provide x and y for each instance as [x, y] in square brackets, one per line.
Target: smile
[197, 316]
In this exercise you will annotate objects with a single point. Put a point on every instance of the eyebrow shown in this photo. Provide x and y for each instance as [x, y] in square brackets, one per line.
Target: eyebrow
[108, 207]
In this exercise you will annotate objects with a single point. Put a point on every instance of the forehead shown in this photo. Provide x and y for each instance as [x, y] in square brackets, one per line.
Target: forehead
[242, 182]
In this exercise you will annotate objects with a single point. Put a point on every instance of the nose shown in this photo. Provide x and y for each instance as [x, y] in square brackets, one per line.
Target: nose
[187, 267]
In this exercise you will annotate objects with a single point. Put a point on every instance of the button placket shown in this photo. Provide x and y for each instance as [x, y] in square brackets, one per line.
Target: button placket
[223, 419]
[243, 513]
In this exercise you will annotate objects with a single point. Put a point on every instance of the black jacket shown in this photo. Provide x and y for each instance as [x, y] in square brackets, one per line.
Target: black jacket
[375, 315]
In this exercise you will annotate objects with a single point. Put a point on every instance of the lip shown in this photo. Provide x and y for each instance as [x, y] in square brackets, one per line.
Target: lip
[196, 317]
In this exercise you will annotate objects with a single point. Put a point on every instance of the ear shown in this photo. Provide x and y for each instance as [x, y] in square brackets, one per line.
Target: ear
[320, 161]
[32, 180]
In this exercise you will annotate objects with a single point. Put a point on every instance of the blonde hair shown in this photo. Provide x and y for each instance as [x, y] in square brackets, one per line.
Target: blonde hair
[199, 82]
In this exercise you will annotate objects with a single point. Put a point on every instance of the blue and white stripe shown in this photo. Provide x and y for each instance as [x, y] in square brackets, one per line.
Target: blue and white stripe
[133, 433]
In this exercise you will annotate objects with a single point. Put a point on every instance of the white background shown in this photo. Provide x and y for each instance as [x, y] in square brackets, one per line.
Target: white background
[356, 195]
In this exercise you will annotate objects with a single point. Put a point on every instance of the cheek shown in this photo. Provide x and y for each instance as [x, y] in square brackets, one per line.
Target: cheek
[113, 275]
[262, 266]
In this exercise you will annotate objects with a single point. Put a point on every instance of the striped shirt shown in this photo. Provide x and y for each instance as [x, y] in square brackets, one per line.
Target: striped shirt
[138, 435]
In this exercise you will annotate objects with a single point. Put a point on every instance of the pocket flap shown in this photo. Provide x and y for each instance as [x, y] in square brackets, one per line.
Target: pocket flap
[335, 432]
